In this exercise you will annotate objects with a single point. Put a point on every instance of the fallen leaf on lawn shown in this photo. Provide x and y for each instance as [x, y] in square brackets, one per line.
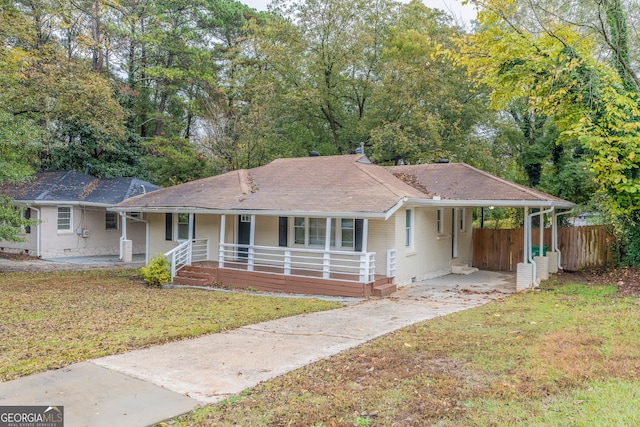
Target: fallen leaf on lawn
[407, 344]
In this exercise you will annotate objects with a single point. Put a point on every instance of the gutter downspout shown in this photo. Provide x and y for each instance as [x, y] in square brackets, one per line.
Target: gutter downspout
[529, 241]
[556, 236]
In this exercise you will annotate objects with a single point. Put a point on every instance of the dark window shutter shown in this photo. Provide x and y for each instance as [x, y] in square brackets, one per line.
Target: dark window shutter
[168, 226]
[27, 215]
[193, 228]
[283, 231]
[358, 231]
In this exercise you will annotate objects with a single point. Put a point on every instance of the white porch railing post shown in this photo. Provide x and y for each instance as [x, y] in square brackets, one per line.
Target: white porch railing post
[223, 221]
[391, 262]
[287, 262]
[252, 238]
[173, 265]
[326, 259]
[363, 268]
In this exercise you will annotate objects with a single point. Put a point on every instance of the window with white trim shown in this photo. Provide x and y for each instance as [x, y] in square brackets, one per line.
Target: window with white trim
[347, 233]
[310, 231]
[111, 221]
[183, 226]
[440, 221]
[409, 228]
[64, 218]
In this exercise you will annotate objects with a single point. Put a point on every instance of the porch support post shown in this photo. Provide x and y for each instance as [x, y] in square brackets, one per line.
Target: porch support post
[326, 262]
[190, 237]
[365, 234]
[223, 227]
[252, 241]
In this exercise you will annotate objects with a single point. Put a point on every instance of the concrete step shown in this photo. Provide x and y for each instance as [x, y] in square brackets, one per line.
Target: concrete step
[384, 290]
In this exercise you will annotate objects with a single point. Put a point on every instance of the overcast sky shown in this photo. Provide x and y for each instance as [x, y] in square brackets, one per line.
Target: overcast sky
[452, 7]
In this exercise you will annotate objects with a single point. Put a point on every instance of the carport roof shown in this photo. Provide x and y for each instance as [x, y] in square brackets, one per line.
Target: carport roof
[458, 182]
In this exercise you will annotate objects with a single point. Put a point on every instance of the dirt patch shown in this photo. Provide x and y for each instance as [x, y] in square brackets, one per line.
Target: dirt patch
[626, 279]
[17, 257]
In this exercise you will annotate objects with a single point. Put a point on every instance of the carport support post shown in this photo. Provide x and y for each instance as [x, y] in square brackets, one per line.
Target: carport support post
[524, 277]
[126, 246]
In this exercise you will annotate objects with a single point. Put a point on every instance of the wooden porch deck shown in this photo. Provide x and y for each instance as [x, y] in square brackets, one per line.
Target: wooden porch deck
[273, 279]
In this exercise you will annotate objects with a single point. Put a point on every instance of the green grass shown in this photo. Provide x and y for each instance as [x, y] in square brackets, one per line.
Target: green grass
[52, 319]
[565, 355]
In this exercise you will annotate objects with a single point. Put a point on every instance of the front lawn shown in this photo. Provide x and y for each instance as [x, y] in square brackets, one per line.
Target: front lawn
[52, 319]
[565, 355]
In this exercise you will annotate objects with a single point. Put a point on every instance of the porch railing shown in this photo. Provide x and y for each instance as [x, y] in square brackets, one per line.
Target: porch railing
[186, 253]
[343, 265]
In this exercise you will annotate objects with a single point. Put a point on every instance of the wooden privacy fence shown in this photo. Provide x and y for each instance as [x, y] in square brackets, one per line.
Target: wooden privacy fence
[581, 247]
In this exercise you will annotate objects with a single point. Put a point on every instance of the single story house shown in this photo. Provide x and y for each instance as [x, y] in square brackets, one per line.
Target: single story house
[336, 225]
[74, 215]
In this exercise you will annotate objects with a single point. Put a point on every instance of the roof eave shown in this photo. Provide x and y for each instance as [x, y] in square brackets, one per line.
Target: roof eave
[265, 212]
[494, 203]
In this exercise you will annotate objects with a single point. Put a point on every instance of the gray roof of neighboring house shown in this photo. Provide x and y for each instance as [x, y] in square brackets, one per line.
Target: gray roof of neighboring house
[348, 184]
[74, 187]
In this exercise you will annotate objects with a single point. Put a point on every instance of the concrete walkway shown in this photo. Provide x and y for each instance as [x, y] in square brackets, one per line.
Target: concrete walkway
[146, 386]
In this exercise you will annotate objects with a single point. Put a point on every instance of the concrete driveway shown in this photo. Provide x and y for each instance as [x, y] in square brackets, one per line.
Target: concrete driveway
[147, 386]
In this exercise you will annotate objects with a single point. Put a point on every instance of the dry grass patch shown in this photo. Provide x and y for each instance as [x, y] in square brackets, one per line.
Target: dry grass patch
[557, 356]
[53, 319]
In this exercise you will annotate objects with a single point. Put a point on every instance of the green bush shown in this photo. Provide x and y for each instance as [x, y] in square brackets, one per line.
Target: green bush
[157, 273]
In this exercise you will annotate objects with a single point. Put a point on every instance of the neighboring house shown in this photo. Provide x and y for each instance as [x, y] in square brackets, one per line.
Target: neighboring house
[336, 225]
[74, 216]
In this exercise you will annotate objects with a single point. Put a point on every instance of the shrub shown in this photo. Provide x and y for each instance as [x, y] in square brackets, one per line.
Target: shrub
[157, 273]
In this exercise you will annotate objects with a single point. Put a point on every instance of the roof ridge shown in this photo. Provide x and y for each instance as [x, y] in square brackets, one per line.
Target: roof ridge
[363, 166]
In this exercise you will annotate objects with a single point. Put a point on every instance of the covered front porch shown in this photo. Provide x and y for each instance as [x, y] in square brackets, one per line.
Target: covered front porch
[340, 267]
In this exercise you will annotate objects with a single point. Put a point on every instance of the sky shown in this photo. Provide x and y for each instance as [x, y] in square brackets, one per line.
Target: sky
[452, 7]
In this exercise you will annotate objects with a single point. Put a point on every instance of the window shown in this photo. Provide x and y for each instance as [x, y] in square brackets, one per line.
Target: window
[64, 218]
[317, 231]
[111, 221]
[299, 231]
[313, 231]
[183, 226]
[409, 228]
[439, 222]
[245, 218]
[347, 233]
[136, 215]
[461, 220]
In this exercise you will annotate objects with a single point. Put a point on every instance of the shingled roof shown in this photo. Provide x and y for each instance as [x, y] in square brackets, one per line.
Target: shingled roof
[340, 185]
[74, 187]
[327, 184]
[461, 182]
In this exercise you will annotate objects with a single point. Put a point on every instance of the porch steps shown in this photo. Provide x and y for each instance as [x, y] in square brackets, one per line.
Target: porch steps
[192, 275]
